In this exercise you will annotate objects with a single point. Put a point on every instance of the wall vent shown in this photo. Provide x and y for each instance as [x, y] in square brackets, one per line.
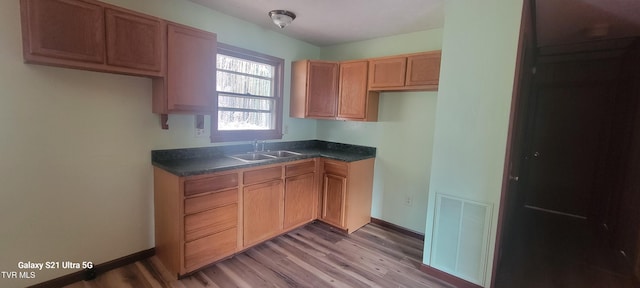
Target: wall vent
[460, 238]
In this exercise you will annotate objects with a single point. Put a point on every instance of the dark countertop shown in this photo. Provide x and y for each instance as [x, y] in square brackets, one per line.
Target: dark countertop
[196, 161]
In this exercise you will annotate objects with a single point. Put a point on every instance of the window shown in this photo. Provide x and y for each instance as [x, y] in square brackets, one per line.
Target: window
[248, 97]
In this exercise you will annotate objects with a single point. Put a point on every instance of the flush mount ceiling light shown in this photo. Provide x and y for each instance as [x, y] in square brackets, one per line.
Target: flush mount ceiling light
[281, 18]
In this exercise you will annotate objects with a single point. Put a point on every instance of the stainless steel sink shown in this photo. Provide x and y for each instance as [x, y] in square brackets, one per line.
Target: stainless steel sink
[282, 153]
[252, 157]
[261, 156]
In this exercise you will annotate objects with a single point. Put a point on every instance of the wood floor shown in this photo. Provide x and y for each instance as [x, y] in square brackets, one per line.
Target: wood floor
[554, 251]
[311, 256]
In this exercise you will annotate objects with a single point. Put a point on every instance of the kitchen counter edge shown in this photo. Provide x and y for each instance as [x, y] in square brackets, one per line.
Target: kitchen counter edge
[183, 167]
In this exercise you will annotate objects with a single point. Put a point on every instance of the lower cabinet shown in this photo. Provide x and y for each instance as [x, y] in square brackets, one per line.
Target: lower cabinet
[205, 218]
[263, 209]
[202, 219]
[196, 219]
[208, 249]
[346, 193]
[333, 199]
[300, 191]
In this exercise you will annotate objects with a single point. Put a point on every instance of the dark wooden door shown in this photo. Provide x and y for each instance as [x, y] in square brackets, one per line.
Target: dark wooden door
[565, 146]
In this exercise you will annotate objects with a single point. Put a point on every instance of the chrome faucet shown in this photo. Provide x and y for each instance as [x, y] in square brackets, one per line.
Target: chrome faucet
[256, 144]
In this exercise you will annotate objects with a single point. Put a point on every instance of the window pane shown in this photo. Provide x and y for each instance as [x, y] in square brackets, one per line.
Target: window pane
[233, 120]
[241, 84]
[245, 66]
[248, 95]
[225, 101]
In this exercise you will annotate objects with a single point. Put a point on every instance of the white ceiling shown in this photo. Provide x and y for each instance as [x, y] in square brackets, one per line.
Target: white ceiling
[329, 22]
[571, 21]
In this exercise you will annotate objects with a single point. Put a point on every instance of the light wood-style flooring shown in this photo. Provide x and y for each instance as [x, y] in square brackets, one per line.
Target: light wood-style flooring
[311, 256]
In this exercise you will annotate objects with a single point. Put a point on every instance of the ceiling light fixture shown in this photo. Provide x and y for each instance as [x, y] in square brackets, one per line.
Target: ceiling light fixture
[281, 18]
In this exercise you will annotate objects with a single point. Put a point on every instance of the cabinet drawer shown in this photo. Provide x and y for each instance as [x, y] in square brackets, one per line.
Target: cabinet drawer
[336, 168]
[262, 175]
[209, 184]
[211, 248]
[210, 222]
[300, 168]
[210, 201]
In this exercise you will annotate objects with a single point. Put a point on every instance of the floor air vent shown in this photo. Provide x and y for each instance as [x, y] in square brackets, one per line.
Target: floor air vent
[460, 238]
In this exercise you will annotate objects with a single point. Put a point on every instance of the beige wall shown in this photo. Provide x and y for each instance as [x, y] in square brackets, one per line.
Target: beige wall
[75, 145]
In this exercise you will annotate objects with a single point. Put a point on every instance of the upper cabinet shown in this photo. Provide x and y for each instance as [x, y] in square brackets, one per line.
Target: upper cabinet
[423, 69]
[355, 102]
[349, 90]
[387, 72]
[332, 90]
[411, 72]
[189, 85]
[134, 41]
[314, 89]
[63, 30]
[92, 35]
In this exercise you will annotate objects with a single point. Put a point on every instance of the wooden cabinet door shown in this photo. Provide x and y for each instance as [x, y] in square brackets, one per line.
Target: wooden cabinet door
[334, 192]
[134, 41]
[423, 69]
[352, 99]
[62, 29]
[387, 72]
[191, 69]
[262, 214]
[298, 199]
[322, 89]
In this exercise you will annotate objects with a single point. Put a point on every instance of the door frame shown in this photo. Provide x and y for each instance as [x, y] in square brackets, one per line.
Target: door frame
[526, 53]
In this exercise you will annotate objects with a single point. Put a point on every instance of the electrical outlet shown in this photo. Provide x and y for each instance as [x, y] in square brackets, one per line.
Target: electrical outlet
[200, 133]
[408, 200]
